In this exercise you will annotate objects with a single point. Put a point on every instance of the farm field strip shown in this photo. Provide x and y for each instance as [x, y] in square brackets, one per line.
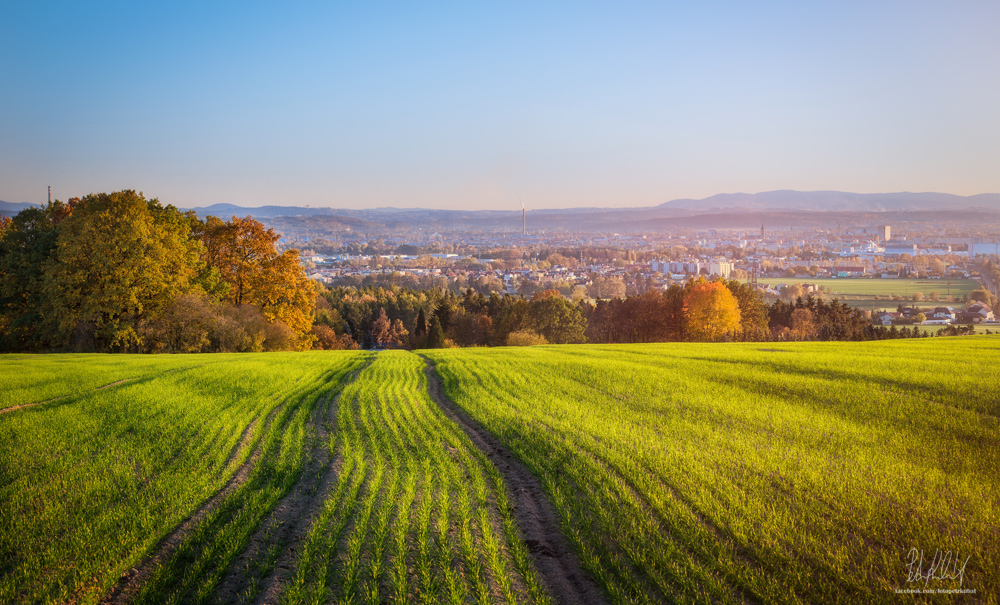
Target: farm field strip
[875, 294]
[727, 473]
[266, 561]
[537, 520]
[34, 379]
[731, 473]
[417, 514]
[89, 488]
[881, 287]
[134, 579]
[197, 568]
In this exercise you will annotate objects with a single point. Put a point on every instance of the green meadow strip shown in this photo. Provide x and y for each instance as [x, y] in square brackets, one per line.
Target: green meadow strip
[89, 487]
[413, 516]
[791, 472]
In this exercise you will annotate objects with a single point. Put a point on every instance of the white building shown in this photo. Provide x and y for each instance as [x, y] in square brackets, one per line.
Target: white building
[977, 248]
[721, 268]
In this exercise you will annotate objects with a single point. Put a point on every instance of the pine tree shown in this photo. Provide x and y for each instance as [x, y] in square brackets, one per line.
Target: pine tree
[421, 328]
[435, 335]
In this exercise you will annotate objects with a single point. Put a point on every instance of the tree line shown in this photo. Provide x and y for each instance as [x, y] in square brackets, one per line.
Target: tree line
[700, 311]
[119, 272]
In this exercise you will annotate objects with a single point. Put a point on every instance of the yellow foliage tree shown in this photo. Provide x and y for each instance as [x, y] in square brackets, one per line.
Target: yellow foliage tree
[803, 324]
[710, 311]
[120, 259]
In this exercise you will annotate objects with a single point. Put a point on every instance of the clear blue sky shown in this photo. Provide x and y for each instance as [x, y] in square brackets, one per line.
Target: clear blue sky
[473, 105]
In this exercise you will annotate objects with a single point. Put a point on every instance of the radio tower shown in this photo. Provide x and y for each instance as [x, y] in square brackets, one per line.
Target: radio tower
[524, 228]
[50, 194]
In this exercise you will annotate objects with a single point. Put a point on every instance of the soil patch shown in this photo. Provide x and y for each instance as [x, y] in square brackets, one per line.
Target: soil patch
[15, 408]
[559, 567]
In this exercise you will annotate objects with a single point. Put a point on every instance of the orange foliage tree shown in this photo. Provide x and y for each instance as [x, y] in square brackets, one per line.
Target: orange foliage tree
[245, 256]
[710, 311]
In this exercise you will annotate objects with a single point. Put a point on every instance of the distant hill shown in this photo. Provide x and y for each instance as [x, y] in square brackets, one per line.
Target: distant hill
[777, 209]
[226, 211]
[299, 224]
[10, 208]
[784, 200]
[827, 201]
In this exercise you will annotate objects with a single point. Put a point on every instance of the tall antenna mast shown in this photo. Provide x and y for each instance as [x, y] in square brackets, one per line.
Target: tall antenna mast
[50, 194]
[524, 225]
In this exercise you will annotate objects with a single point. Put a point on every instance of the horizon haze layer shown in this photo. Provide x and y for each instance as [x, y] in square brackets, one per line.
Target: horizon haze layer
[781, 199]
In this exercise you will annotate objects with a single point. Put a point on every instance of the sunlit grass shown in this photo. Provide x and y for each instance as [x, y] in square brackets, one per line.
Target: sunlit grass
[412, 517]
[90, 483]
[733, 472]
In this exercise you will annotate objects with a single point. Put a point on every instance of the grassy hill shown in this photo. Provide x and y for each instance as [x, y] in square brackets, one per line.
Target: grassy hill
[800, 472]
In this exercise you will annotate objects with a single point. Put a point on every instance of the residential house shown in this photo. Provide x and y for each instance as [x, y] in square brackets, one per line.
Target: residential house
[982, 311]
[946, 313]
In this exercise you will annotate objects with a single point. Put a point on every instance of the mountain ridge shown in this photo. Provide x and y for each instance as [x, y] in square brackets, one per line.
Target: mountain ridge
[782, 200]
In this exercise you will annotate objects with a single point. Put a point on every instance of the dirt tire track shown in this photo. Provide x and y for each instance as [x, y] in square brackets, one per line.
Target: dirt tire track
[561, 573]
[132, 580]
[21, 406]
[287, 526]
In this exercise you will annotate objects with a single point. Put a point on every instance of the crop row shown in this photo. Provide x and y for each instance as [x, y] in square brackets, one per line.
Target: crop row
[802, 472]
[418, 514]
[732, 473]
[92, 483]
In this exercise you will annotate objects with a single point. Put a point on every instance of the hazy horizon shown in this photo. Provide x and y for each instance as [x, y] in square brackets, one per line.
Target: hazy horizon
[471, 107]
[515, 207]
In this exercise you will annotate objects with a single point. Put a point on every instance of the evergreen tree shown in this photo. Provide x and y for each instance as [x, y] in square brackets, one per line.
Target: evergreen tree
[435, 334]
[421, 327]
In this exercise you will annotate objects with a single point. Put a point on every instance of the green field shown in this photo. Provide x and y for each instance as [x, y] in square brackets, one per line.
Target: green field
[990, 328]
[862, 292]
[793, 473]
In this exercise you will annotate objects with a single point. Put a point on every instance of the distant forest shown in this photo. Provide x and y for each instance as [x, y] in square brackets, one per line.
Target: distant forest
[699, 311]
[117, 272]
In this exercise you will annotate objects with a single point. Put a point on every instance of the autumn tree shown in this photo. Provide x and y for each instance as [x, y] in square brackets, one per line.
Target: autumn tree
[983, 295]
[606, 287]
[120, 260]
[803, 324]
[244, 253]
[325, 339]
[388, 333]
[381, 329]
[710, 311]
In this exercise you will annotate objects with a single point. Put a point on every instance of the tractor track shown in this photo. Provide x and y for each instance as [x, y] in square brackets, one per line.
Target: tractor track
[564, 577]
[281, 534]
[133, 579]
